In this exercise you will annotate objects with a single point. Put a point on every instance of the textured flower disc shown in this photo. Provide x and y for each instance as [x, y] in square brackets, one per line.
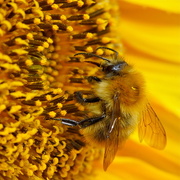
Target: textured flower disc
[38, 77]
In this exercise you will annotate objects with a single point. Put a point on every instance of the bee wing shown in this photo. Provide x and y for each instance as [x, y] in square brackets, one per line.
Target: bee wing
[151, 130]
[112, 142]
[111, 148]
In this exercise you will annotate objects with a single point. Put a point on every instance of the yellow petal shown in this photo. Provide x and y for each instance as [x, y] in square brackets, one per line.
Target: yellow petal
[135, 169]
[151, 31]
[166, 5]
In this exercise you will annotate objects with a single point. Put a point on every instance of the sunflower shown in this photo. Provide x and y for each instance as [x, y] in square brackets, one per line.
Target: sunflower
[39, 75]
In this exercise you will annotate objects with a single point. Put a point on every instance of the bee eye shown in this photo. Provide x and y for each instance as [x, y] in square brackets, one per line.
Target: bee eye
[115, 69]
[107, 69]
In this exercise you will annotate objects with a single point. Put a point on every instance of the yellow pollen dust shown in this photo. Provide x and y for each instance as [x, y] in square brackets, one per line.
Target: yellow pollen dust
[40, 48]
[48, 97]
[48, 17]
[52, 114]
[44, 77]
[30, 36]
[69, 29]
[59, 105]
[86, 16]
[37, 21]
[55, 27]
[89, 35]
[43, 61]
[38, 103]
[63, 18]
[89, 49]
[50, 2]
[55, 6]
[80, 3]
[63, 112]
[99, 52]
[57, 91]
[49, 40]
[29, 62]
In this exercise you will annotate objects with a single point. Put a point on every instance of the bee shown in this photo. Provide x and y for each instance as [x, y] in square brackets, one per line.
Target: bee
[119, 104]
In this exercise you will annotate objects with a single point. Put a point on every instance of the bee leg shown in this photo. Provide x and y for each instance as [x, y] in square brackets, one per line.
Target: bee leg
[93, 78]
[83, 124]
[68, 122]
[85, 100]
[87, 122]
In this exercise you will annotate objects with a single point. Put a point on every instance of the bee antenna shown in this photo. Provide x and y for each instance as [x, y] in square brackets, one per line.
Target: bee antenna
[95, 63]
[116, 53]
[94, 55]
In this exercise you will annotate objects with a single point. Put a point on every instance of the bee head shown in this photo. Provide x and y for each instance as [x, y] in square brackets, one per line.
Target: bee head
[114, 69]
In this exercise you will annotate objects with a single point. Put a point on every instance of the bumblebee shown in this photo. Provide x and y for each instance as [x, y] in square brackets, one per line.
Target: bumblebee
[119, 105]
